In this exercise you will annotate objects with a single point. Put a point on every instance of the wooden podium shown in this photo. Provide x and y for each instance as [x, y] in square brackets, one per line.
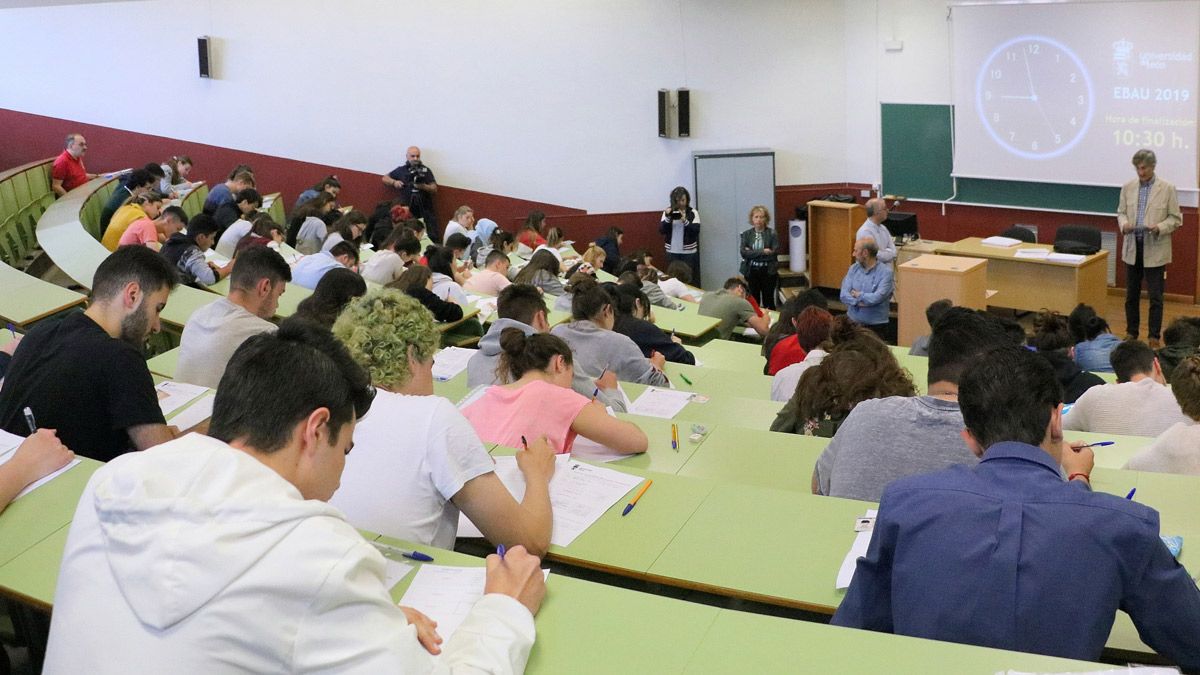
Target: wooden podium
[831, 230]
[927, 278]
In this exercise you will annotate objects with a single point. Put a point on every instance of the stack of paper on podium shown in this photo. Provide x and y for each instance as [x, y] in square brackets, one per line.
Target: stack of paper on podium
[1002, 242]
[579, 495]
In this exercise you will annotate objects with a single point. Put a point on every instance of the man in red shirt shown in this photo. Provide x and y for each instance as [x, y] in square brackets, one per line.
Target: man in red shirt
[69, 172]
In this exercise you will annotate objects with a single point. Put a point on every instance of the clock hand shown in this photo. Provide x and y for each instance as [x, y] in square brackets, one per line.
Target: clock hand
[1029, 75]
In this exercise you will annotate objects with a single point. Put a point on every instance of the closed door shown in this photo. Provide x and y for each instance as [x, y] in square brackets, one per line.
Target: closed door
[727, 186]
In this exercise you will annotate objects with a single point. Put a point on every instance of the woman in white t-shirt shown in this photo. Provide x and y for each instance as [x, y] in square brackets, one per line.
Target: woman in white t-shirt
[447, 280]
[675, 282]
[416, 461]
[395, 254]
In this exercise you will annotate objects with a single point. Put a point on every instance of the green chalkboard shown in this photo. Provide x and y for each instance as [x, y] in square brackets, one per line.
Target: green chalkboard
[918, 157]
[917, 151]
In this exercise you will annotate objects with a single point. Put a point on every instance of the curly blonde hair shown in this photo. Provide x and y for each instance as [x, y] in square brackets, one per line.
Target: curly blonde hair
[378, 329]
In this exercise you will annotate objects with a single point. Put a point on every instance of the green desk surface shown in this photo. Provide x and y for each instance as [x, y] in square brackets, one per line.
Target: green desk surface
[27, 299]
[918, 367]
[62, 236]
[183, 302]
[656, 634]
[685, 324]
[731, 410]
[659, 456]
[752, 457]
[788, 545]
[165, 364]
[739, 642]
[729, 355]
[38, 514]
[32, 576]
[711, 381]
[1113, 456]
[628, 545]
[453, 389]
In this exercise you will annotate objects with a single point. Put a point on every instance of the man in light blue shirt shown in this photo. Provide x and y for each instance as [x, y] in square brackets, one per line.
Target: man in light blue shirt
[1016, 552]
[867, 288]
[311, 268]
[873, 228]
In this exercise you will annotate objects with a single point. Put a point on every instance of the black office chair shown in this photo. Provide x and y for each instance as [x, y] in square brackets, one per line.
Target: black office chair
[1082, 239]
[1024, 234]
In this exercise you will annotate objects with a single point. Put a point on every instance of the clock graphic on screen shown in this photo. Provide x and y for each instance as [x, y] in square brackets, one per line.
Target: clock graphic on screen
[1034, 97]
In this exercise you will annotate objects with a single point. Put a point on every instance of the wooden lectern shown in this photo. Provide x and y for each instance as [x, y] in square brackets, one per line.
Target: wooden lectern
[831, 230]
[927, 278]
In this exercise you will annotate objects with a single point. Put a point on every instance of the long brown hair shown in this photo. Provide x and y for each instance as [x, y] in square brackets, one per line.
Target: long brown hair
[859, 367]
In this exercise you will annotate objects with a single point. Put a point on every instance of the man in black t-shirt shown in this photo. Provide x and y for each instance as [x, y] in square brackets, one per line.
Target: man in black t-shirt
[416, 185]
[85, 376]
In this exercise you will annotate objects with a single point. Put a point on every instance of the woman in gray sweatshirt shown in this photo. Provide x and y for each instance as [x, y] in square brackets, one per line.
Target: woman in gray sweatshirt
[597, 348]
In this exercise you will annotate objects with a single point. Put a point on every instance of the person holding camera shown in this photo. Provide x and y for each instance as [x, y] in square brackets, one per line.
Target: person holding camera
[680, 227]
[759, 247]
[416, 185]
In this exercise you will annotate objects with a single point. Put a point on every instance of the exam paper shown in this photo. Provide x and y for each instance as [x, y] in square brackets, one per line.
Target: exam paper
[447, 594]
[174, 395]
[857, 550]
[579, 495]
[450, 361]
[589, 450]
[659, 402]
[1035, 253]
[1004, 242]
[1073, 258]
[194, 414]
[212, 256]
[41, 481]
[9, 441]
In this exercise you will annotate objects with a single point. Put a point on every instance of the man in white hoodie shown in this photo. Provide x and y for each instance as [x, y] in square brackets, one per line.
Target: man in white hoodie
[221, 555]
[215, 331]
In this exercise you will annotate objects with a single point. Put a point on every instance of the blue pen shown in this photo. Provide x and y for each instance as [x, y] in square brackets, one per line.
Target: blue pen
[411, 555]
[416, 555]
[12, 330]
[1099, 444]
[500, 551]
[1130, 495]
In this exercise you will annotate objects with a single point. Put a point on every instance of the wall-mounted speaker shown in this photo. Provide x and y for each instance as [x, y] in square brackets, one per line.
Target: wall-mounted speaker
[664, 107]
[674, 113]
[683, 109]
[205, 60]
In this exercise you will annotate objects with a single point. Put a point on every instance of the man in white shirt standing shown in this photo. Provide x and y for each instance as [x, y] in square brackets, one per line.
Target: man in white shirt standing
[877, 212]
[215, 331]
[1139, 404]
[220, 554]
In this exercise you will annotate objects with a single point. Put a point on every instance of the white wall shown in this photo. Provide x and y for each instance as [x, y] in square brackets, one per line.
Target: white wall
[919, 73]
[545, 100]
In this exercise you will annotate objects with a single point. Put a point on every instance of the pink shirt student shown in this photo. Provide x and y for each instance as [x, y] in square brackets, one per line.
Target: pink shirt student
[503, 415]
[140, 232]
[487, 282]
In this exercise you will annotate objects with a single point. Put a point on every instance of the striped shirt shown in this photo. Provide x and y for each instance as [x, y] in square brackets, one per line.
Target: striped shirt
[1143, 197]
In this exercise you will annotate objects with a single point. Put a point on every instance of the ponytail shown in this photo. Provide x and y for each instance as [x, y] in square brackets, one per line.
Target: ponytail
[521, 353]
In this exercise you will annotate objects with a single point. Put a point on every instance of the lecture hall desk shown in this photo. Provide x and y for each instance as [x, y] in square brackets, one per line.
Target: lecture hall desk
[1030, 284]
